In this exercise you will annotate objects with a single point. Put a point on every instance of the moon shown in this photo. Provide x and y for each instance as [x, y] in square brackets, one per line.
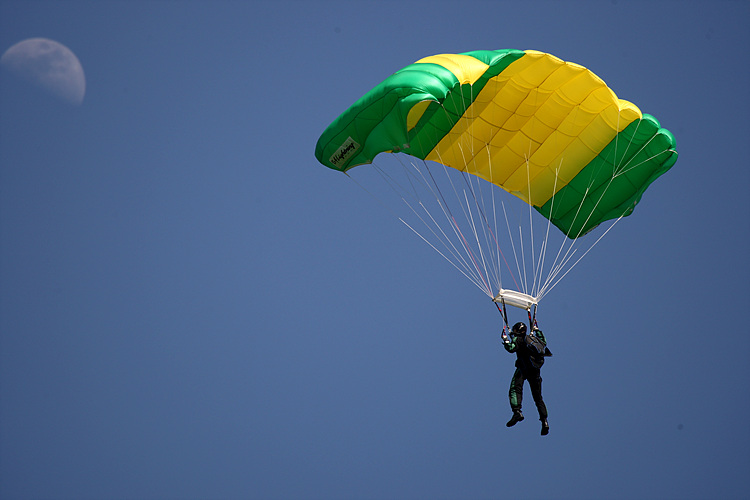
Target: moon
[49, 65]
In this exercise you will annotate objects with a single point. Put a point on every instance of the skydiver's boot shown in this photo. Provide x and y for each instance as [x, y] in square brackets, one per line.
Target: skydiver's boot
[517, 417]
[545, 427]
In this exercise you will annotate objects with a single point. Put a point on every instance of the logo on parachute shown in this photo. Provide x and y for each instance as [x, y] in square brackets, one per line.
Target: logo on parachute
[345, 152]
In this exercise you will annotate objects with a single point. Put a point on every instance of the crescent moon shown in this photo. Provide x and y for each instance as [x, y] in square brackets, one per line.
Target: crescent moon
[49, 65]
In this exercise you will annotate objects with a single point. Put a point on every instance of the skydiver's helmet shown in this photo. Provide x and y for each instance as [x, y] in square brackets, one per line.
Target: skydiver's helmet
[519, 329]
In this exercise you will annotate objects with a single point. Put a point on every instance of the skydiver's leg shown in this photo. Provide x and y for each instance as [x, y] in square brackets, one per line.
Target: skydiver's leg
[516, 391]
[535, 383]
[516, 395]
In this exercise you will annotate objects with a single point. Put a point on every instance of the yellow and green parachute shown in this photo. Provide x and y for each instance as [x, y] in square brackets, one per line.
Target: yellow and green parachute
[550, 132]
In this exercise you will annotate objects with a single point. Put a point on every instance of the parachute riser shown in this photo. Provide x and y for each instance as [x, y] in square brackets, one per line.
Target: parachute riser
[533, 325]
[504, 314]
[532, 320]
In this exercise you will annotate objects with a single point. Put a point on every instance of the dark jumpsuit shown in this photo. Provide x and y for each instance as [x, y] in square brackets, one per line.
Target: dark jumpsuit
[525, 370]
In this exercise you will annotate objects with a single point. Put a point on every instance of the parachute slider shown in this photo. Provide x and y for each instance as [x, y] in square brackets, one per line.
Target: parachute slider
[516, 299]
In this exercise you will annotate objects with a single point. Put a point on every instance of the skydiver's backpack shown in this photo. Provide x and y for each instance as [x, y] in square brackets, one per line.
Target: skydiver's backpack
[538, 349]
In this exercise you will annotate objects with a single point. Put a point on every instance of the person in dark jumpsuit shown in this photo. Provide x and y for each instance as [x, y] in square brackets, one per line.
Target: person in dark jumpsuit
[528, 367]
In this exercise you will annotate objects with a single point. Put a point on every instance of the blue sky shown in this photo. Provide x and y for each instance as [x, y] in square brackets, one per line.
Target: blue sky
[192, 307]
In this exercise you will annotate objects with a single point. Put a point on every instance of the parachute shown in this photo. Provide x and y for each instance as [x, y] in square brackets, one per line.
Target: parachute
[549, 132]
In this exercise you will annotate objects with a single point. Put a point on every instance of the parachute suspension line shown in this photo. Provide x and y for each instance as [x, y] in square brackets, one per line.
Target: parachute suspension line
[480, 204]
[541, 285]
[523, 259]
[469, 114]
[500, 252]
[538, 269]
[636, 165]
[474, 267]
[615, 174]
[393, 186]
[468, 214]
[571, 252]
[489, 235]
[437, 192]
[559, 264]
[616, 165]
[554, 265]
[582, 256]
[531, 222]
[513, 245]
[477, 194]
[434, 188]
[625, 167]
[480, 247]
[622, 167]
[553, 278]
[443, 238]
[482, 269]
[546, 237]
[537, 262]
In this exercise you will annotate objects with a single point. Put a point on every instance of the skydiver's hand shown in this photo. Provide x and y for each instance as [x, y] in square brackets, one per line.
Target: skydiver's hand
[505, 338]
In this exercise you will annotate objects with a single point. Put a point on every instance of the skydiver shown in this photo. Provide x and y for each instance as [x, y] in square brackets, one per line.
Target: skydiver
[528, 367]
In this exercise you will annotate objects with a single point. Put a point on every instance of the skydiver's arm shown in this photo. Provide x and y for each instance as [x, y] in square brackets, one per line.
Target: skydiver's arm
[540, 335]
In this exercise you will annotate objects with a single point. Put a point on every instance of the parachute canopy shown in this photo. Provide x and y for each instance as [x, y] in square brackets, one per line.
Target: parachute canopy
[547, 131]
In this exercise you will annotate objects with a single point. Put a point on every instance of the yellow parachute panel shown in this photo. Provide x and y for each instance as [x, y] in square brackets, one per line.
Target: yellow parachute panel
[533, 127]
